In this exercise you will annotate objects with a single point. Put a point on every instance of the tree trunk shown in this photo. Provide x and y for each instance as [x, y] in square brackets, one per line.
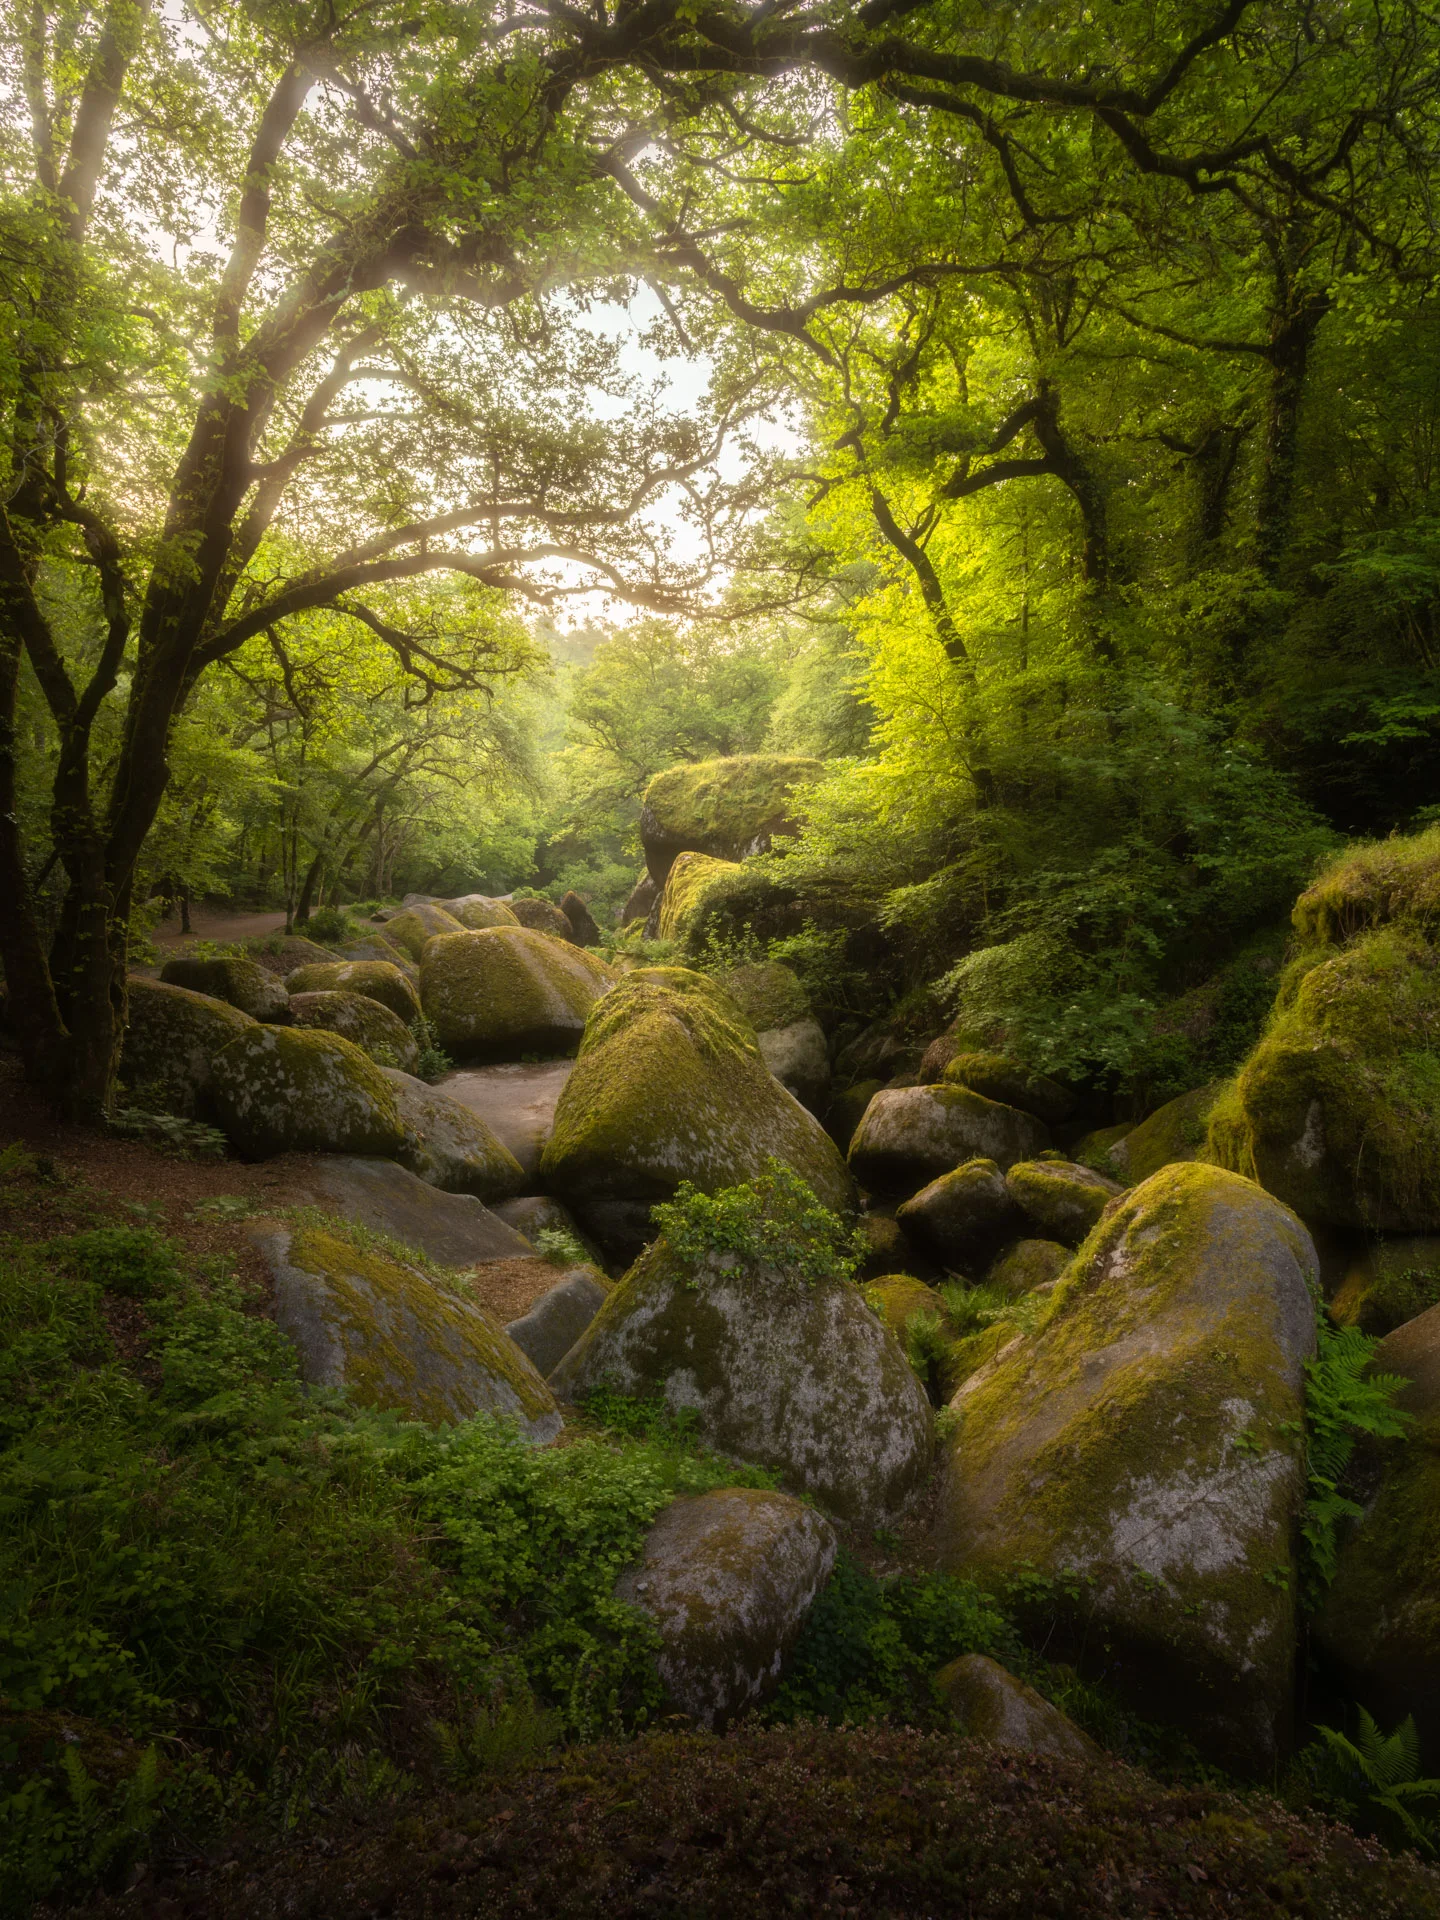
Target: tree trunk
[1291, 341]
[307, 890]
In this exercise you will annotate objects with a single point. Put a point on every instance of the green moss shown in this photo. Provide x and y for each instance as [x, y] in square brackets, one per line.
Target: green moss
[1011, 1083]
[412, 929]
[696, 891]
[1176, 1131]
[768, 994]
[477, 912]
[244, 983]
[172, 1036]
[1375, 883]
[507, 991]
[286, 1090]
[1097, 1149]
[723, 806]
[355, 1016]
[376, 979]
[1028, 1264]
[1391, 1282]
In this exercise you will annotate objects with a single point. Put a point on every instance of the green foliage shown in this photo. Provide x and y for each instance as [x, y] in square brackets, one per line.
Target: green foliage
[185, 1139]
[1373, 1781]
[330, 927]
[508, 1732]
[671, 1434]
[433, 1062]
[870, 1647]
[1343, 1402]
[560, 1247]
[773, 1221]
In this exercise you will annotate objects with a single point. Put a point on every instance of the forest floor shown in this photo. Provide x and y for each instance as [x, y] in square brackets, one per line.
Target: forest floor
[218, 924]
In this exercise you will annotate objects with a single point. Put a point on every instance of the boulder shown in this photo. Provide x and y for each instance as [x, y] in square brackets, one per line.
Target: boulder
[584, 928]
[1061, 1200]
[1172, 1133]
[768, 994]
[517, 1102]
[508, 991]
[1098, 1149]
[1027, 1264]
[451, 1147]
[994, 1706]
[963, 1216]
[534, 1213]
[414, 927]
[798, 1376]
[796, 1056]
[377, 980]
[1388, 1283]
[543, 916]
[936, 1057]
[394, 1337]
[171, 1038]
[1138, 1457]
[728, 1578]
[450, 1229]
[281, 953]
[726, 808]
[1336, 1111]
[847, 1110]
[898, 1297]
[886, 1246]
[696, 892]
[1371, 885]
[476, 911]
[1379, 1629]
[641, 901]
[911, 1135]
[287, 1090]
[558, 1318]
[387, 1040]
[243, 984]
[670, 1086]
[1011, 1083]
[378, 948]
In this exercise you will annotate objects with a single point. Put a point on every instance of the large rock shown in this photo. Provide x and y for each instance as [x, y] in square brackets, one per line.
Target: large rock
[909, 1136]
[728, 1578]
[285, 1090]
[796, 1056]
[517, 1102]
[1389, 1282]
[641, 900]
[1141, 1451]
[768, 994]
[478, 911]
[800, 1377]
[451, 1147]
[1379, 1629]
[994, 1706]
[414, 927]
[355, 1016]
[172, 1036]
[282, 953]
[508, 991]
[963, 1216]
[394, 1337]
[546, 1333]
[543, 916]
[670, 1086]
[1172, 1133]
[584, 929]
[727, 808]
[377, 980]
[1062, 1201]
[1336, 1111]
[377, 947]
[697, 891]
[1028, 1264]
[243, 984]
[451, 1229]
[1010, 1082]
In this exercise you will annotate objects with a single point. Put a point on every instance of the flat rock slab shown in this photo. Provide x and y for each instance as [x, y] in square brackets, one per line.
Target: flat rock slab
[516, 1101]
[552, 1325]
[452, 1229]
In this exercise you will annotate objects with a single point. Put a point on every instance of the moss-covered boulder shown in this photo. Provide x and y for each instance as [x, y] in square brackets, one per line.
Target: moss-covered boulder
[377, 980]
[377, 947]
[994, 1706]
[1027, 1264]
[1389, 1282]
[898, 1297]
[885, 1246]
[1011, 1083]
[1173, 1133]
[450, 1146]
[1379, 1629]
[543, 916]
[546, 1332]
[1372, 885]
[1061, 1200]
[387, 1039]
[697, 891]
[172, 1036]
[448, 1229]
[282, 953]
[800, 1376]
[796, 1056]
[293, 1090]
[1137, 1457]
[641, 901]
[1337, 1111]
[728, 1578]
[909, 1136]
[1097, 1149]
[936, 1057]
[584, 927]
[478, 910]
[394, 1337]
[413, 928]
[847, 1109]
[963, 1216]
[670, 1086]
[768, 994]
[509, 991]
[726, 808]
[241, 983]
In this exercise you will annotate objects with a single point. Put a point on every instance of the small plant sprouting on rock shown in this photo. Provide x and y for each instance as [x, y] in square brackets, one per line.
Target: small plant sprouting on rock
[1343, 1400]
[772, 1221]
[433, 1062]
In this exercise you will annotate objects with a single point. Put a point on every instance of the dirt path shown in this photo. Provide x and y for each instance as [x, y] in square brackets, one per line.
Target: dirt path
[207, 923]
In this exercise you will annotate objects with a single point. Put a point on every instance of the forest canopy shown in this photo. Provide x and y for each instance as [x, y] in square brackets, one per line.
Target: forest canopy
[1055, 462]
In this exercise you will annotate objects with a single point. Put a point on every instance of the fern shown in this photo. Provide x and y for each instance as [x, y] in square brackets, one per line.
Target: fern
[1382, 1772]
[1343, 1400]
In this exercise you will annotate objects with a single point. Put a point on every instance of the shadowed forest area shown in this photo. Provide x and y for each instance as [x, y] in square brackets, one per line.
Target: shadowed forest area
[720, 920]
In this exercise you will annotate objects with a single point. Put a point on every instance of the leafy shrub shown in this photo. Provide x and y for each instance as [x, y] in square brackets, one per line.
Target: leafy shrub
[1343, 1400]
[329, 926]
[433, 1062]
[186, 1139]
[560, 1247]
[773, 1221]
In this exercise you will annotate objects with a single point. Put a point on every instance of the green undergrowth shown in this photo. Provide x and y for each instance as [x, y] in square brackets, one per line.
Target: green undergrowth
[773, 1221]
[269, 1588]
[1344, 1403]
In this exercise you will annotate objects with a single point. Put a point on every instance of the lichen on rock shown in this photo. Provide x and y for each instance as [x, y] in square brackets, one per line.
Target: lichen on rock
[171, 1038]
[242, 983]
[909, 1136]
[414, 927]
[476, 911]
[507, 991]
[1176, 1131]
[1010, 1082]
[1139, 1451]
[290, 1090]
[1061, 1200]
[961, 1217]
[373, 1027]
[727, 808]
[768, 993]
[993, 1705]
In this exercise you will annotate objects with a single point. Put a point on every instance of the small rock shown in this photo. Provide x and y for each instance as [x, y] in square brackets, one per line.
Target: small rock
[558, 1318]
[993, 1705]
[961, 1217]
